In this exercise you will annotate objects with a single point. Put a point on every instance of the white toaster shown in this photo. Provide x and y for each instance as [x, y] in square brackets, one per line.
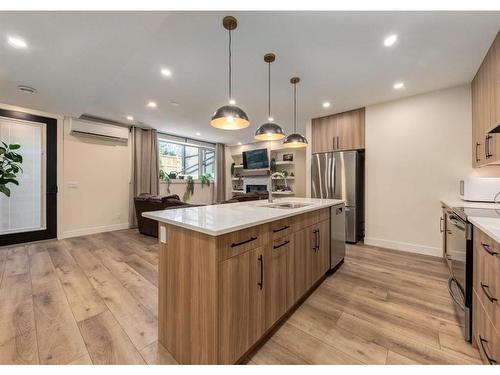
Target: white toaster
[480, 189]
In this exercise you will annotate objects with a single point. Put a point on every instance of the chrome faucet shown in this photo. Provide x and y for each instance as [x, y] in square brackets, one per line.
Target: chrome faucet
[275, 174]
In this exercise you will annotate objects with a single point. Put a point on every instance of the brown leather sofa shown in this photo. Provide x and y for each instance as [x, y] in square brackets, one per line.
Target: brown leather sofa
[149, 202]
[245, 197]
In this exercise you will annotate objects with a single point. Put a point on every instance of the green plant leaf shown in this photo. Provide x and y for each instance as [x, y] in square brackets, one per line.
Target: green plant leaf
[14, 146]
[4, 189]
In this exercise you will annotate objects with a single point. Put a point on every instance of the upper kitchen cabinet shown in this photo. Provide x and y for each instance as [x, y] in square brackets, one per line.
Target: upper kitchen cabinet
[339, 132]
[486, 108]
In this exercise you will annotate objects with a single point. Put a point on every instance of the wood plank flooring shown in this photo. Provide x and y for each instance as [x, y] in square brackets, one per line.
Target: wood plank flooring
[93, 300]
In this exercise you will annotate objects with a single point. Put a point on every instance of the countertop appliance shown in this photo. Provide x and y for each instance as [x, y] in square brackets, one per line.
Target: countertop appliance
[337, 236]
[479, 189]
[458, 242]
[340, 175]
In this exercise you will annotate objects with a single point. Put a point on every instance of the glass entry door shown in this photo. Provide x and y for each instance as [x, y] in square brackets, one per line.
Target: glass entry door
[29, 214]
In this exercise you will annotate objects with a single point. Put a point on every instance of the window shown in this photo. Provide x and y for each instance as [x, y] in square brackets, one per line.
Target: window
[186, 158]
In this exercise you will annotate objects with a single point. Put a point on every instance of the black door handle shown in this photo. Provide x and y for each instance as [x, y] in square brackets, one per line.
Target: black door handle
[234, 244]
[261, 263]
[280, 229]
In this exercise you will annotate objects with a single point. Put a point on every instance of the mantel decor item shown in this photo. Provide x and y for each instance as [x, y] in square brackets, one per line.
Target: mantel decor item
[287, 157]
[295, 140]
[230, 117]
[269, 131]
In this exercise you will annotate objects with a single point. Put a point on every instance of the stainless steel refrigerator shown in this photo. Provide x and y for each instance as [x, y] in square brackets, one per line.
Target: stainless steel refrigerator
[340, 175]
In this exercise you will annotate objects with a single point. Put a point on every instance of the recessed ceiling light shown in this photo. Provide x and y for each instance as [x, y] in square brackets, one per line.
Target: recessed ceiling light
[175, 104]
[16, 42]
[166, 72]
[239, 143]
[390, 40]
[130, 118]
[152, 105]
[398, 85]
[232, 102]
[326, 104]
[270, 119]
[198, 133]
[27, 89]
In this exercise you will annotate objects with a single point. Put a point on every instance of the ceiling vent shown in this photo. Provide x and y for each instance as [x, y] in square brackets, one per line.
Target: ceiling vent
[27, 89]
[85, 128]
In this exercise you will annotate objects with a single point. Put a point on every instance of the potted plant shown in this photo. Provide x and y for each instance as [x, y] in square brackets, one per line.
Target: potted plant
[189, 189]
[172, 175]
[205, 179]
[165, 177]
[10, 166]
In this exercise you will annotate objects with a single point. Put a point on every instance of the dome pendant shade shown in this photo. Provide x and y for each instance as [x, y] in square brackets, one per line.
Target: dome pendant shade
[269, 132]
[230, 117]
[295, 141]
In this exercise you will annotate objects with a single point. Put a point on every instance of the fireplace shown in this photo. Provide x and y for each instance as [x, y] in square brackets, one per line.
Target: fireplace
[255, 188]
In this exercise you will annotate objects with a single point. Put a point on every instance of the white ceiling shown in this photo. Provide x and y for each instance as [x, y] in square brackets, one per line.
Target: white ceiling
[108, 63]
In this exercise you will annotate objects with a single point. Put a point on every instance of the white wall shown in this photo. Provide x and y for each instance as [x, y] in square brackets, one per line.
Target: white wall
[417, 149]
[95, 185]
[201, 195]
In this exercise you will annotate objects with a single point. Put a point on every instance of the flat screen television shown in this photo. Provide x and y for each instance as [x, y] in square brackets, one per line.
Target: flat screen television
[256, 159]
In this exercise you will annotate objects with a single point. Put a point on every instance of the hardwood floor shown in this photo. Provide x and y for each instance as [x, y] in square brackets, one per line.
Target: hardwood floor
[93, 299]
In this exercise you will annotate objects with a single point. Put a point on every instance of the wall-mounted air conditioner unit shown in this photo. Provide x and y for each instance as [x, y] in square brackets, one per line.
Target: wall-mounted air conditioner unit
[85, 128]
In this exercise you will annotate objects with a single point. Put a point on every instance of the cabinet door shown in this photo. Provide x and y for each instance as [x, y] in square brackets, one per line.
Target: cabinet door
[323, 253]
[241, 304]
[324, 134]
[477, 135]
[277, 276]
[304, 244]
[352, 130]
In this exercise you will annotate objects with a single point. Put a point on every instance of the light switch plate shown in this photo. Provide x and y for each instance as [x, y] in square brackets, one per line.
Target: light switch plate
[163, 234]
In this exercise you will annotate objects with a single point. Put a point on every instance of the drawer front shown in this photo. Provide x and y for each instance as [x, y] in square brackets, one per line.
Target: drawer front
[236, 243]
[487, 275]
[485, 336]
[324, 214]
[302, 221]
[280, 228]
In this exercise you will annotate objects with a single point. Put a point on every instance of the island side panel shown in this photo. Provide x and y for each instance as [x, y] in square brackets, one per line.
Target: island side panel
[187, 321]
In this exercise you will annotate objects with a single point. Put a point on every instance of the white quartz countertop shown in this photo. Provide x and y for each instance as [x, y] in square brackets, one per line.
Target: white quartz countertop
[489, 225]
[219, 219]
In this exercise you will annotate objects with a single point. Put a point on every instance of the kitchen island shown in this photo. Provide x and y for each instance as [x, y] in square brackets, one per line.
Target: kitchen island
[228, 274]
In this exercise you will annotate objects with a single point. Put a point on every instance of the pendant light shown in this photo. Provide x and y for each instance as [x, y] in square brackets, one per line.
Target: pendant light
[295, 140]
[230, 117]
[269, 131]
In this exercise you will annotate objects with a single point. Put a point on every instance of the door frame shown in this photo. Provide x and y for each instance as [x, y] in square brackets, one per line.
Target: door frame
[50, 231]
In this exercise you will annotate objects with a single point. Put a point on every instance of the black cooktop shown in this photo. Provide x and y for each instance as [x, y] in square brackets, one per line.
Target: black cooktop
[465, 212]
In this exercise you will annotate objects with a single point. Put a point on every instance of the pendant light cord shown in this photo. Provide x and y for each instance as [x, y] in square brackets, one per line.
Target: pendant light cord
[230, 94]
[295, 108]
[269, 90]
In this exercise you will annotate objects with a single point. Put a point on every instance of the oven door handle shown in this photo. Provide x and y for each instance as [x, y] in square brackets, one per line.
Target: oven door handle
[460, 304]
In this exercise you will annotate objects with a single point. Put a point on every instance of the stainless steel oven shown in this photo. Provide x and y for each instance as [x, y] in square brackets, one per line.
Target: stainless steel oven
[458, 255]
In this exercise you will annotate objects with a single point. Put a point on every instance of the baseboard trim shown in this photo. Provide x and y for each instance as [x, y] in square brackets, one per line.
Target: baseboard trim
[93, 230]
[404, 246]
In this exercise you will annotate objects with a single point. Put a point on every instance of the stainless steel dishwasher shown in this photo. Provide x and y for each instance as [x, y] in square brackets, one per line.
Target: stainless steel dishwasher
[337, 235]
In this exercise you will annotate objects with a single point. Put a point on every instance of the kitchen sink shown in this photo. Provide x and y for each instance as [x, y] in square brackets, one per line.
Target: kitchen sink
[288, 205]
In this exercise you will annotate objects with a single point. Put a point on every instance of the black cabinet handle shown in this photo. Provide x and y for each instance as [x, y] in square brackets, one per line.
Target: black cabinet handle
[333, 139]
[261, 264]
[477, 146]
[487, 146]
[315, 239]
[279, 230]
[319, 239]
[487, 248]
[283, 244]
[486, 291]
[235, 244]
[491, 360]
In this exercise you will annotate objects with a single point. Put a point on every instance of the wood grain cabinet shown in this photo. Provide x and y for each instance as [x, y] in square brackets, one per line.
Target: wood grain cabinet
[486, 297]
[486, 108]
[339, 132]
